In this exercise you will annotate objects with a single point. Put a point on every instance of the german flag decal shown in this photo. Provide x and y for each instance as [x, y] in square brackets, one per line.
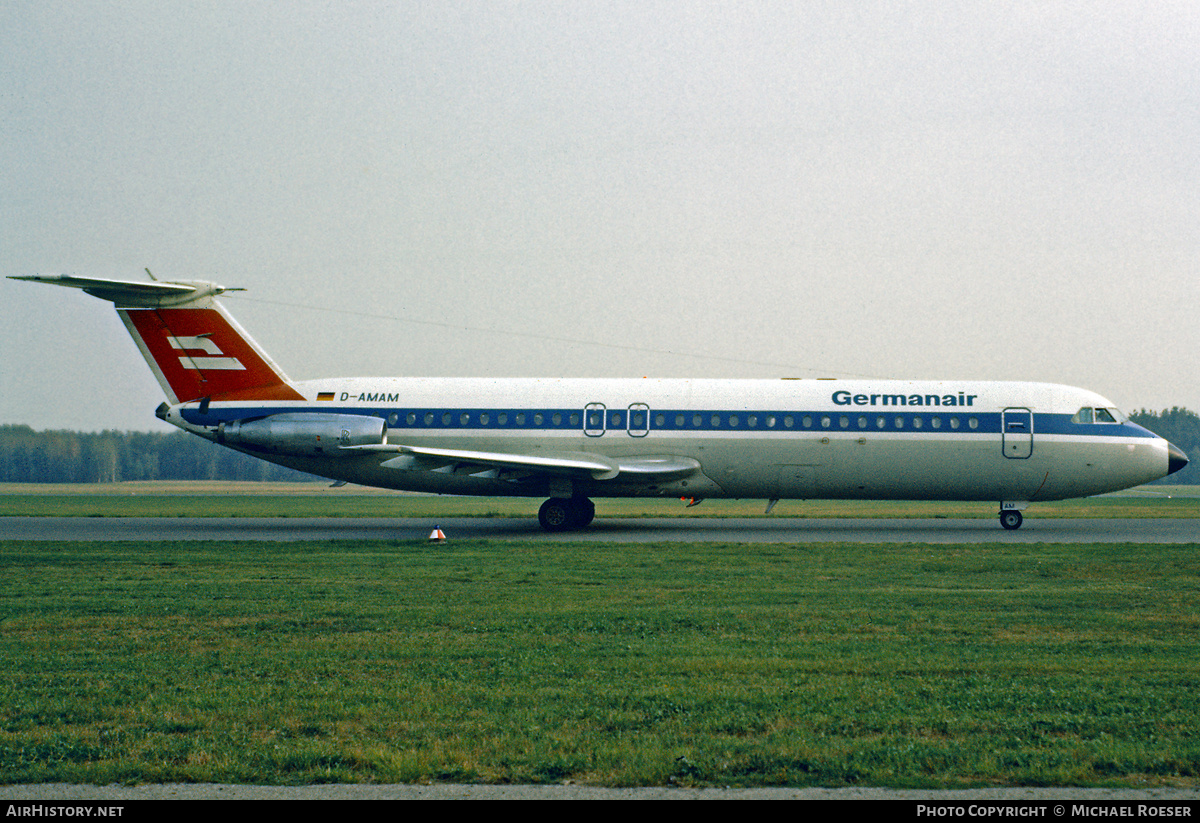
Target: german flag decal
[325, 395]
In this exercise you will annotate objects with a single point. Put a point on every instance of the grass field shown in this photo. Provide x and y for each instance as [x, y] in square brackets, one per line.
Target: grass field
[708, 664]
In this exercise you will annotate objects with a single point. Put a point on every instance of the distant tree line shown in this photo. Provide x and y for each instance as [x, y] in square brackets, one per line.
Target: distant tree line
[28, 456]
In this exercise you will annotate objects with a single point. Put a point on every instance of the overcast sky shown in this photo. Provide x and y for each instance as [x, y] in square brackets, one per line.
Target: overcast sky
[949, 190]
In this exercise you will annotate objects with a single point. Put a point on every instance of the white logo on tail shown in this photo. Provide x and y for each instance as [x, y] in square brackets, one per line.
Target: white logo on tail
[208, 363]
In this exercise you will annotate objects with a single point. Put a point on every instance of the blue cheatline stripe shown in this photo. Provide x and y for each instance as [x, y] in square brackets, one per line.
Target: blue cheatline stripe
[690, 420]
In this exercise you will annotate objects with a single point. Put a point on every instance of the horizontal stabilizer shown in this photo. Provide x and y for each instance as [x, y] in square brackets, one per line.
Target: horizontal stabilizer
[133, 293]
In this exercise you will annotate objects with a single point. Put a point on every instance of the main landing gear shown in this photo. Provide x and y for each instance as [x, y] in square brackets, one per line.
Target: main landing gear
[559, 514]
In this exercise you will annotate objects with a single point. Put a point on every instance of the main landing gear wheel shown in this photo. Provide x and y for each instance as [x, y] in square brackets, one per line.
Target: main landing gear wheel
[584, 511]
[1011, 519]
[561, 513]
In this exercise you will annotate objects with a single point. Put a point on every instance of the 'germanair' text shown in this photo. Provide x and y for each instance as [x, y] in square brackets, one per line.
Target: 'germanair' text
[845, 398]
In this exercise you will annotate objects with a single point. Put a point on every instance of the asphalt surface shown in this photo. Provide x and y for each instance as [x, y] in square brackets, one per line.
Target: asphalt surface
[65, 793]
[622, 530]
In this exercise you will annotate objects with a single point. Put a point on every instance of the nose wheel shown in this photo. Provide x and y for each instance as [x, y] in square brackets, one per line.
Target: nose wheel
[559, 514]
[1011, 519]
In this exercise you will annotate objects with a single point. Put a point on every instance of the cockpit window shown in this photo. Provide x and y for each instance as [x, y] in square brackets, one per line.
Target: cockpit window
[1086, 415]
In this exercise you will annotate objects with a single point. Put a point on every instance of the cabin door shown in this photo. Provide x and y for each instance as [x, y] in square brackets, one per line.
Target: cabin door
[593, 419]
[1016, 427]
[639, 420]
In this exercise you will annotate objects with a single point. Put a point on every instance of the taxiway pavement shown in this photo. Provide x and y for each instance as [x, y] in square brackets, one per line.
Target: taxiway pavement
[621, 530]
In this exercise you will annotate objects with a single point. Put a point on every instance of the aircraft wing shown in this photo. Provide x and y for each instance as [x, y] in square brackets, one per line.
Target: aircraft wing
[648, 469]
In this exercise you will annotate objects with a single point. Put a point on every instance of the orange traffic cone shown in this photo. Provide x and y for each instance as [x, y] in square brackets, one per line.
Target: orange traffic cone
[437, 535]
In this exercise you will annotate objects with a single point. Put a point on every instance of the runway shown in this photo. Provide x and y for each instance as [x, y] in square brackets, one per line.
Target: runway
[620, 530]
[1029, 797]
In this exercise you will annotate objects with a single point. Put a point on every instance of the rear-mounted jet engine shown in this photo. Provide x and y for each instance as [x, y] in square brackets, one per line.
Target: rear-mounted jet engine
[304, 434]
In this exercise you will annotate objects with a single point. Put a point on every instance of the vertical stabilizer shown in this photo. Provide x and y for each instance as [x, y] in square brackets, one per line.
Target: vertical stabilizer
[193, 346]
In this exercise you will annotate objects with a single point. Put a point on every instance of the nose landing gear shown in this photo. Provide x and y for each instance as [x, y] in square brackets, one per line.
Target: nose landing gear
[1011, 519]
[1010, 513]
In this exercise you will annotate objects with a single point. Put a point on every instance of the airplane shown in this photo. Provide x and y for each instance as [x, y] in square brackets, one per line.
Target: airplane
[571, 439]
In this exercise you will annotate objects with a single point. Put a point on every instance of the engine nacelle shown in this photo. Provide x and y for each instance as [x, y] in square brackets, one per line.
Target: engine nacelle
[304, 434]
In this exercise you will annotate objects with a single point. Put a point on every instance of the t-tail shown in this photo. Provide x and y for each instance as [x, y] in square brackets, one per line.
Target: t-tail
[194, 347]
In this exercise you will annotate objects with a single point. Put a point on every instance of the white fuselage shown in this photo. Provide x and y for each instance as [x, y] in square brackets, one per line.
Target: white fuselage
[944, 440]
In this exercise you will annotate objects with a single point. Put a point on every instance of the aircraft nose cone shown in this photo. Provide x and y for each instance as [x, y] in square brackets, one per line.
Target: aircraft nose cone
[1176, 459]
